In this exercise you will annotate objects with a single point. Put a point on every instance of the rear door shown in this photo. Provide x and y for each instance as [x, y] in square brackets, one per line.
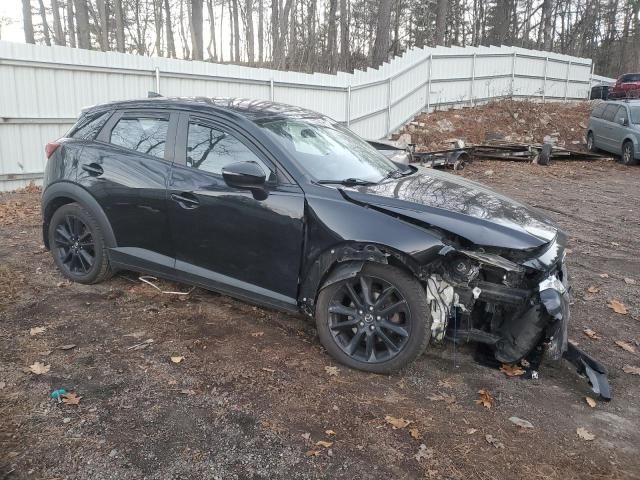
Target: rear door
[620, 128]
[127, 169]
[607, 127]
[233, 240]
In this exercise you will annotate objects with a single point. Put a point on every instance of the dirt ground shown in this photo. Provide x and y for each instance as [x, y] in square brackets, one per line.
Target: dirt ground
[255, 392]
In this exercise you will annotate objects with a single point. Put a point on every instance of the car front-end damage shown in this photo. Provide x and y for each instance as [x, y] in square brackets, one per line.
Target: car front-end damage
[516, 303]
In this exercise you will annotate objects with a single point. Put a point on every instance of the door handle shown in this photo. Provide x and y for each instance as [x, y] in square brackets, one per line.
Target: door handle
[93, 168]
[186, 200]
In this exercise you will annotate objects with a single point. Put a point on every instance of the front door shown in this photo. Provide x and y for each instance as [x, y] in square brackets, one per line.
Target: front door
[243, 242]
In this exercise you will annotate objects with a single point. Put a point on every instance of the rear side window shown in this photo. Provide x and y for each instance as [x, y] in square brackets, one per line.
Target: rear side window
[635, 115]
[144, 135]
[598, 109]
[88, 128]
[610, 112]
[631, 77]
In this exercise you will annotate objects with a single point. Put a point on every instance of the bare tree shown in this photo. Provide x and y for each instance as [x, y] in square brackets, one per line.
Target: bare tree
[236, 31]
[381, 45]
[27, 22]
[249, 32]
[196, 29]
[332, 36]
[344, 35]
[45, 23]
[119, 15]
[213, 55]
[58, 33]
[260, 32]
[441, 21]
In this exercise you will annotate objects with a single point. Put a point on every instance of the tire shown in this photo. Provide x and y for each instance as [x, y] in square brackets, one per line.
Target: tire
[591, 143]
[406, 324]
[77, 245]
[545, 154]
[628, 157]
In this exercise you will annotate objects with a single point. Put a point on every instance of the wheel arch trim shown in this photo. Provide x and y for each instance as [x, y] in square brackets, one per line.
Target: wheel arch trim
[72, 191]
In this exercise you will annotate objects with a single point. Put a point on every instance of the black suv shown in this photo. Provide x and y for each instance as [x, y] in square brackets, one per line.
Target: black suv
[285, 208]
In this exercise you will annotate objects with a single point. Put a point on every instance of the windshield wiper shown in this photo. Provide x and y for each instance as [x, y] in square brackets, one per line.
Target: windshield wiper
[346, 181]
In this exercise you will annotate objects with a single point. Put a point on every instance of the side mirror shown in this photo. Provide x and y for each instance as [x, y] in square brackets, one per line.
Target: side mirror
[622, 121]
[244, 175]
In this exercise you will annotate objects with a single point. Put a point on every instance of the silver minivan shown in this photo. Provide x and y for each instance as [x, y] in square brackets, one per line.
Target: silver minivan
[615, 127]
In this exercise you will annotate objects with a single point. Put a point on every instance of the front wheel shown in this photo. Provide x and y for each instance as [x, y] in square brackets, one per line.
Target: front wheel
[591, 146]
[628, 157]
[377, 321]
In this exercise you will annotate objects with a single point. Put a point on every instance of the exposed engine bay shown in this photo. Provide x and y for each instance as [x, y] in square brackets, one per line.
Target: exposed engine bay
[518, 308]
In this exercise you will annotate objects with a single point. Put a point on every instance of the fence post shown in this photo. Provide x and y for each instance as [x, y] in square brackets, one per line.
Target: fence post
[566, 85]
[513, 74]
[544, 85]
[430, 69]
[271, 92]
[157, 71]
[348, 106]
[389, 107]
[473, 77]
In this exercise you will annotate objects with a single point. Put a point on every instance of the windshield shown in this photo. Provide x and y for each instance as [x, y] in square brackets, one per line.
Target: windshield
[329, 151]
[635, 115]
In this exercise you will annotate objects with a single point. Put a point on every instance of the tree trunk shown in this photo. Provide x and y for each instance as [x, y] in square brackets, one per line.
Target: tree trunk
[332, 36]
[236, 31]
[158, 24]
[183, 36]
[212, 32]
[45, 24]
[249, 32]
[27, 22]
[545, 25]
[118, 13]
[275, 37]
[58, 33]
[441, 22]
[71, 24]
[82, 20]
[260, 32]
[381, 45]
[311, 35]
[344, 36]
[171, 45]
[103, 38]
[196, 29]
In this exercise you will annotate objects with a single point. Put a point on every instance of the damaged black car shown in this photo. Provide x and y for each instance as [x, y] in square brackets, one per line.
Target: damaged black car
[286, 208]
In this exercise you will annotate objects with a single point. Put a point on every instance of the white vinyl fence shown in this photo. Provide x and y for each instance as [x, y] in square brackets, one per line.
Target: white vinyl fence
[43, 89]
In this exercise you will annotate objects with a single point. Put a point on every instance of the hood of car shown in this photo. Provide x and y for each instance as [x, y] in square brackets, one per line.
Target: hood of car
[460, 206]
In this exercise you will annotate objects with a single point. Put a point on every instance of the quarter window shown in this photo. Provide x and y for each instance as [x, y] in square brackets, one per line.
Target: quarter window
[598, 109]
[610, 112]
[144, 135]
[88, 129]
[210, 149]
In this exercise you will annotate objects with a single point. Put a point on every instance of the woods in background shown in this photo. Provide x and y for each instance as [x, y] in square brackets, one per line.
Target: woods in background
[332, 35]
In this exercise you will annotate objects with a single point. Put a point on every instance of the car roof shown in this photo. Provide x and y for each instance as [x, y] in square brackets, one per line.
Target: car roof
[253, 109]
[630, 102]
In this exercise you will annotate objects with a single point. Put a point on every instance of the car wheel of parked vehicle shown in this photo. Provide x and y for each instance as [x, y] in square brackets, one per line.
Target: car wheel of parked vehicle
[78, 245]
[628, 154]
[591, 146]
[378, 321]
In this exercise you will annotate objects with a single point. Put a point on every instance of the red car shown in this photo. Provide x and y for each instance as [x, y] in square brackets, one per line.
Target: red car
[628, 85]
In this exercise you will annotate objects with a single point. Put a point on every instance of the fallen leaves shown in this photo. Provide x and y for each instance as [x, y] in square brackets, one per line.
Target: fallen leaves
[332, 371]
[443, 397]
[71, 398]
[521, 422]
[617, 307]
[257, 334]
[584, 434]
[629, 281]
[512, 370]
[323, 443]
[177, 359]
[423, 452]
[330, 432]
[415, 433]
[471, 431]
[590, 401]
[493, 441]
[486, 399]
[593, 289]
[591, 334]
[626, 346]
[37, 330]
[312, 453]
[631, 370]
[269, 370]
[39, 368]
[604, 275]
[396, 422]
[69, 346]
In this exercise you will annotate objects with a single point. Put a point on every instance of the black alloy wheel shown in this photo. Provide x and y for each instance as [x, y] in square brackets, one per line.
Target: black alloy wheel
[77, 245]
[376, 321]
[74, 245]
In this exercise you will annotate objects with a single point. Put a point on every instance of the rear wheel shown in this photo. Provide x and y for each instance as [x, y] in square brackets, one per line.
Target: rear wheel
[378, 321]
[628, 157]
[77, 245]
[591, 146]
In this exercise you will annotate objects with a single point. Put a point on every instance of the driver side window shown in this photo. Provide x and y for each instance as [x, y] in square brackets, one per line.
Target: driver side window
[210, 149]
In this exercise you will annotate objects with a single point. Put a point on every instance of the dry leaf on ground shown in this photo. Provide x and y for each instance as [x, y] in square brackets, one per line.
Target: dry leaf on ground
[629, 281]
[443, 397]
[70, 346]
[186, 391]
[423, 452]
[604, 275]
[257, 334]
[177, 359]
[486, 399]
[511, 370]
[631, 370]
[71, 398]
[471, 431]
[397, 422]
[330, 432]
[415, 433]
[584, 434]
[312, 453]
[332, 371]
[493, 441]
[593, 289]
[39, 368]
[521, 422]
[590, 401]
[37, 330]
[323, 443]
[591, 334]
[617, 307]
[626, 346]
[270, 370]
